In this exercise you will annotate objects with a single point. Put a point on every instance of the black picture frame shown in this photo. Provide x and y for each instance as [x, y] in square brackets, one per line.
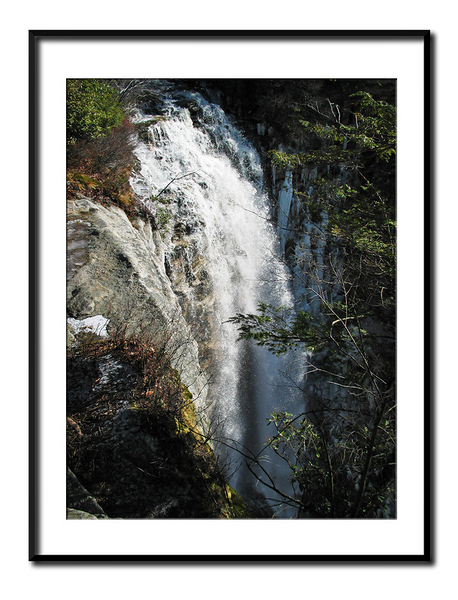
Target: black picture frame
[36, 358]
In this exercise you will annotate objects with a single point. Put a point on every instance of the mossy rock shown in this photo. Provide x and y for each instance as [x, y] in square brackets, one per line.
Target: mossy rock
[239, 507]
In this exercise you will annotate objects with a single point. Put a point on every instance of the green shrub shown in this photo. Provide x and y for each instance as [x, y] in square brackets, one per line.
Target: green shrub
[93, 109]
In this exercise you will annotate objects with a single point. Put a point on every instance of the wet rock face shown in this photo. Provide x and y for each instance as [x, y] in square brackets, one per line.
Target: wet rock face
[187, 268]
[117, 270]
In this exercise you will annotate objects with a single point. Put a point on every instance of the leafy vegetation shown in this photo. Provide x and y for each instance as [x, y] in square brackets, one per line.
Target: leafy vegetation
[93, 109]
[341, 449]
[100, 159]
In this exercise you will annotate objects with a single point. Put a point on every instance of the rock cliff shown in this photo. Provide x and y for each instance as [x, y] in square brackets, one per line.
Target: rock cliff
[136, 394]
[116, 268]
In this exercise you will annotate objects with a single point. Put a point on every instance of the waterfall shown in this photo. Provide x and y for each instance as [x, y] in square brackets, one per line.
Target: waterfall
[204, 182]
[285, 197]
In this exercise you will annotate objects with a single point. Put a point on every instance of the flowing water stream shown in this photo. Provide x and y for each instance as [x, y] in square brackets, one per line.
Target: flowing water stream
[204, 182]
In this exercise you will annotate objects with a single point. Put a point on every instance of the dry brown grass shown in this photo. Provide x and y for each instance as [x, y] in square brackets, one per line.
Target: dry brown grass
[101, 168]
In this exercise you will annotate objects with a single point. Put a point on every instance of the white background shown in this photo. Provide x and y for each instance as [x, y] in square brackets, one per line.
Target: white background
[21, 577]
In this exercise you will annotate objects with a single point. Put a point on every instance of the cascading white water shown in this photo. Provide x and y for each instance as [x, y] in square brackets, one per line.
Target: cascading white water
[209, 180]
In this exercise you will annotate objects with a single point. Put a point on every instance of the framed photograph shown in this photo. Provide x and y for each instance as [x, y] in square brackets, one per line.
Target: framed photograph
[226, 229]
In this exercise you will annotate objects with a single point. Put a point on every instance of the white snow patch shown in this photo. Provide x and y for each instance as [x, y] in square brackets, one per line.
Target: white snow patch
[97, 324]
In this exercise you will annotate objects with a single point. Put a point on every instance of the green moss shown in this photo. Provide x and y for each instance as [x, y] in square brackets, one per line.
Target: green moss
[239, 507]
[163, 217]
[83, 180]
[143, 127]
